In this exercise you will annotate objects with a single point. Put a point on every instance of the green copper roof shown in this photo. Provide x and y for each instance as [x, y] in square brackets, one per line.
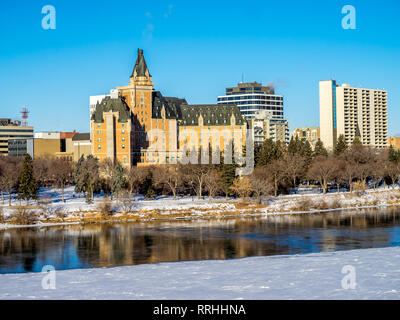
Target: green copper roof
[140, 66]
[170, 104]
[114, 105]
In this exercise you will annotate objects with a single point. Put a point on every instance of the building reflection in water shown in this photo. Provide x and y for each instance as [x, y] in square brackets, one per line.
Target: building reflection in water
[105, 245]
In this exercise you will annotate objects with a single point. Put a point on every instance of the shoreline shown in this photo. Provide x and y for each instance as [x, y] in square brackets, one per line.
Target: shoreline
[191, 218]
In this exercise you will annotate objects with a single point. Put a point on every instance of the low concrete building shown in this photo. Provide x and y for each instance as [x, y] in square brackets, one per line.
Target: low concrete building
[46, 144]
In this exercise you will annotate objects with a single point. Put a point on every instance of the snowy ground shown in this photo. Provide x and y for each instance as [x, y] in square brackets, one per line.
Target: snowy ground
[310, 276]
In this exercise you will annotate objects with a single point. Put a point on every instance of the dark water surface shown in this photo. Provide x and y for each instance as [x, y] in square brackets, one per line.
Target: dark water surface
[105, 245]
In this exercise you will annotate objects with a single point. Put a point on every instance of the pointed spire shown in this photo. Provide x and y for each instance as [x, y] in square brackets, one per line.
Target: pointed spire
[140, 69]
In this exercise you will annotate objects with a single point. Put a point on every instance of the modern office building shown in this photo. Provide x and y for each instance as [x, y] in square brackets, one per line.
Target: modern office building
[345, 110]
[251, 97]
[310, 134]
[265, 126]
[13, 130]
[20, 147]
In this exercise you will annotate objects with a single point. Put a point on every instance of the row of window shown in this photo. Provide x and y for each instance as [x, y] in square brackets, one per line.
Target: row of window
[16, 130]
[250, 97]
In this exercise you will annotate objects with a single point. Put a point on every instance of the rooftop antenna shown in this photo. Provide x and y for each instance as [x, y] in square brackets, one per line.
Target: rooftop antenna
[25, 113]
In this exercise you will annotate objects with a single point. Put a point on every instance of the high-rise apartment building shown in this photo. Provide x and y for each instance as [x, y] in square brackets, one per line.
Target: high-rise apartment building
[346, 110]
[252, 97]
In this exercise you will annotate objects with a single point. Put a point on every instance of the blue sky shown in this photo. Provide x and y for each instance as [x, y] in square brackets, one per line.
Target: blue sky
[194, 49]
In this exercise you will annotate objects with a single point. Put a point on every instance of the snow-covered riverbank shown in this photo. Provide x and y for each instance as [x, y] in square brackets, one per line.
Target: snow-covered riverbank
[76, 210]
[310, 276]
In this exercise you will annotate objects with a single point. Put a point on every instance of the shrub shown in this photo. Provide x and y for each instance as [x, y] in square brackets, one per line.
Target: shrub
[335, 203]
[2, 217]
[105, 208]
[359, 187]
[303, 204]
[322, 205]
[126, 202]
[24, 216]
[60, 213]
[44, 204]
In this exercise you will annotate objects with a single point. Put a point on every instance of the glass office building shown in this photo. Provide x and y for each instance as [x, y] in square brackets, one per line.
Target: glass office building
[252, 97]
[10, 130]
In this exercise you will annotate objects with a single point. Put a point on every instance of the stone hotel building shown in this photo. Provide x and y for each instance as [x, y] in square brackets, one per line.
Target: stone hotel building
[137, 125]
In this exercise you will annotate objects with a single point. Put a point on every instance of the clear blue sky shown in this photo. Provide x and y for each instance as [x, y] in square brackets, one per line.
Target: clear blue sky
[194, 49]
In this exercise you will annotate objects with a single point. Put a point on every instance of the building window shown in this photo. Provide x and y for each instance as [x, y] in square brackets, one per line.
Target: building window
[123, 146]
[98, 147]
[123, 131]
[98, 139]
[123, 139]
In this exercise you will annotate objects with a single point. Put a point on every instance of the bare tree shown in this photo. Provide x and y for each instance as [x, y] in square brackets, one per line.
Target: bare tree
[41, 170]
[61, 171]
[392, 170]
[106, 172]
[90, 172]
[135, 178]
[294, 168]
[2, 169]
[213, 182]
[259, 182]
[168, 176]
[276, 173]
[9, 175]
[322, 170]
[194, 175]
[242, 187]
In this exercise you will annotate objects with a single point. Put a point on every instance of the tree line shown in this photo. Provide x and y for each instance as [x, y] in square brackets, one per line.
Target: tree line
[279, 169]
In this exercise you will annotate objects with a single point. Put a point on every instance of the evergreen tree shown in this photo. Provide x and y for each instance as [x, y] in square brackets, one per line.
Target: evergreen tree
[357, 141]
[294, 146]
[228, 175]
[269, 151]
[27, 187]
[119, 181]
[149, 192]
[79, 177]
[257, 154]
[394, 155]
[319, 149]
[340, 146]
[307, 153]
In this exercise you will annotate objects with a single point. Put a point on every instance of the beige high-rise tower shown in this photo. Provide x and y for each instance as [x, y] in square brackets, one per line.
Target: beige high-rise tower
[349, 111]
